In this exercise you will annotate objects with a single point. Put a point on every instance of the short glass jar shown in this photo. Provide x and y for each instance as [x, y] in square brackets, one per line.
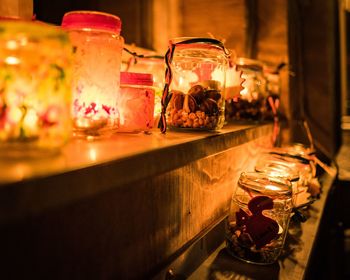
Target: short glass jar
[251, 103]
[136, 102]
[258, 219]
[195, 84]
[35, 88]
[96, 77]
[156, 67]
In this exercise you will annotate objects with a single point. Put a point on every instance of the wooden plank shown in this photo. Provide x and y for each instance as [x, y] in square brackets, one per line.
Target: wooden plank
[223, 19]
[84, 169]
[129, 231]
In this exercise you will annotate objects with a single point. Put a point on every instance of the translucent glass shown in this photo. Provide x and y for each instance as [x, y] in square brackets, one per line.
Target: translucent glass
[136, 106]
[197, 87]
[35, 95]
[156, 67]
[96, 81]
[258, 218]
[251, 103]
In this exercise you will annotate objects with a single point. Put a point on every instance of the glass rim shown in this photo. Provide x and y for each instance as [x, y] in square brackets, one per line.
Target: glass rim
[265, 184]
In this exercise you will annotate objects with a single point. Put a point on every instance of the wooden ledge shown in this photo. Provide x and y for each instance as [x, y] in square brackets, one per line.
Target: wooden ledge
[84, 169]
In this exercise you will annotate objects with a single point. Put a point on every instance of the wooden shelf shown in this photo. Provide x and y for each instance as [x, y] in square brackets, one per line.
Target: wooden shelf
[84, 169]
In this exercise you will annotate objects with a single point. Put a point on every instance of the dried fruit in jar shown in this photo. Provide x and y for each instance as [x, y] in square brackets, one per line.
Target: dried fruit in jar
[177, 100]
[198, 92]
[209, 106]
[190, 104]
[213, 94]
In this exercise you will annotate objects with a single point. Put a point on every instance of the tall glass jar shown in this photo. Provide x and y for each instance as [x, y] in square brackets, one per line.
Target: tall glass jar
[195, 84]
[96, 77]
[259, 217]
[35, 92]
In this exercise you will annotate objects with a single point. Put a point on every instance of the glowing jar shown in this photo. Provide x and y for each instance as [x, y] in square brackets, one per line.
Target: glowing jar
[156, 67]
[250, 104]
[196, 81]
[259, 217]
[136, 102]
[35, 95]
[96, 71]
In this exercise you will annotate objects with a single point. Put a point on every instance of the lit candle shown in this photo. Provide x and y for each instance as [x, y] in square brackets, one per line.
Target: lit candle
[97, 52]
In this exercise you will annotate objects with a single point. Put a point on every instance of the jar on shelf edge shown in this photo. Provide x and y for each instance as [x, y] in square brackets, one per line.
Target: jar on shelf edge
[136, 102]
[196, 80]
[35, 96]
[258, 218]
[98, 48]
[156, 67]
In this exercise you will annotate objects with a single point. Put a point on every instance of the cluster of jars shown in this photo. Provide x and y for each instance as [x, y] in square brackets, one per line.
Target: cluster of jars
[263, 201]
[59, 81]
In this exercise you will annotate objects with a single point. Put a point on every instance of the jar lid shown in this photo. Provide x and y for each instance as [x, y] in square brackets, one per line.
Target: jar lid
[249, 64]
[278, 168]
[130, 78]
[265, 185]
[92, 20]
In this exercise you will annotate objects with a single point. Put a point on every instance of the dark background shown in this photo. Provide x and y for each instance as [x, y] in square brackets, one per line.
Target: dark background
[136, 15]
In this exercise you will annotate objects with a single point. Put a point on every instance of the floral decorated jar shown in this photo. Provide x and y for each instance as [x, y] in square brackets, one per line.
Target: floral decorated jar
[97, 46]
[35, 88]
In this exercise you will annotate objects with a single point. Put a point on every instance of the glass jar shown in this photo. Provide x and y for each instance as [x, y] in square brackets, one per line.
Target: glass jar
[274, 166]
[136, 102]
[195, 84]
[259, 217]
[156, 67]
[35, 95]
[250, 104]
[96, 76]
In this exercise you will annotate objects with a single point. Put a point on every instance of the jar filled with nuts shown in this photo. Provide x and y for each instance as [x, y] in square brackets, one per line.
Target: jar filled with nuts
[193, 96]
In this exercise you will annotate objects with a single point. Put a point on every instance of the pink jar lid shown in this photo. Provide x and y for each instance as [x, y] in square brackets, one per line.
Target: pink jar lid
[92, 20]
[130, 78]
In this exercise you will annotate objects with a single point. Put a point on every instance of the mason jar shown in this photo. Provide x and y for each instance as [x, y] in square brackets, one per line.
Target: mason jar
[258, 218]
[35, 95]
[251, 103]
[136, 102]
[194, 95]
[97, 46]
[155, 66]
[276, 166]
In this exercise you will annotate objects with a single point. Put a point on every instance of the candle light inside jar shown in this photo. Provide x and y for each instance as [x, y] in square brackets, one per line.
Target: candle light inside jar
[97, 52]
[136, 102]
[35, 88]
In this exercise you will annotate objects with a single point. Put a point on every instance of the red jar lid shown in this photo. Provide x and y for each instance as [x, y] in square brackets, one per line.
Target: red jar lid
[130, 78]
[92, 20]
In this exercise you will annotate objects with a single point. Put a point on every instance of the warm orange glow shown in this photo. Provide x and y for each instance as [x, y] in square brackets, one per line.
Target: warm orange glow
[12, 60]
